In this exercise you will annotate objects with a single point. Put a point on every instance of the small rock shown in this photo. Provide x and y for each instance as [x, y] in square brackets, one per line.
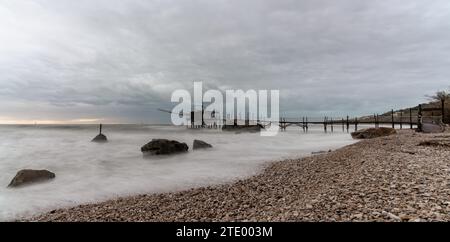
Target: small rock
[404, 217]
[417, 220]
[200, 144]
[376, 214]
[358, 216]
[391, 216]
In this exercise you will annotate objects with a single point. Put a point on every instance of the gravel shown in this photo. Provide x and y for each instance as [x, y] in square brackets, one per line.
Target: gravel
[384, 179]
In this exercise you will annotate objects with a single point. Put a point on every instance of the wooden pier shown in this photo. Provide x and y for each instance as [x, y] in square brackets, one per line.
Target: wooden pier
[392, 119]
[407, 118]
[331, 124]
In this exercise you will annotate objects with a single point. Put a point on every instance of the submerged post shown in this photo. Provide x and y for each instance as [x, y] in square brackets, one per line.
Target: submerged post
[356, 124]
[100, 129]
[343, 128]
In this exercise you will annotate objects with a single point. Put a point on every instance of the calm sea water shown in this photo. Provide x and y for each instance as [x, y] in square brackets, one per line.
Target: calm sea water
[90, 172]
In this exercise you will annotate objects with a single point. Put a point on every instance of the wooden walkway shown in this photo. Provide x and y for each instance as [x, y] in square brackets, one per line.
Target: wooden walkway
[401, 119]
[394, 120]
[332, 124]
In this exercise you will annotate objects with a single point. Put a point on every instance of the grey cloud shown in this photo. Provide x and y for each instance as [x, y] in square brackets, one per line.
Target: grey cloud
[323, 55]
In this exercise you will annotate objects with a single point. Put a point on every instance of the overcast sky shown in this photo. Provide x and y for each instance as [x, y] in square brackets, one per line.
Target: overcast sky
[120, 60]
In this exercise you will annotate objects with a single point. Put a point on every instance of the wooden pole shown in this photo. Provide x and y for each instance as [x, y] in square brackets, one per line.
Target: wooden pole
[348, 124]
[332, 128]
[203, 113]
[375, 120]
[303, 124]
[401, 120]
[100, 128]
[419, 119]
[392, 119]
[247, 119]
[356, 124]
[378, 121]
[410, 119]
[325, 124]
[306, 124]
[343, 125]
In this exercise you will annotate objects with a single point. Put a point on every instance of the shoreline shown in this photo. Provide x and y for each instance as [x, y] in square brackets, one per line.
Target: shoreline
[384, 179]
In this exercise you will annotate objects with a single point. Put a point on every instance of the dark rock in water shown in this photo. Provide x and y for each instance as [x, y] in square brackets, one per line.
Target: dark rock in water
[100, 138]
[26, 176]
[373, 133]
[164, 147]
[243, 128]
[199, 144]
[432, 128]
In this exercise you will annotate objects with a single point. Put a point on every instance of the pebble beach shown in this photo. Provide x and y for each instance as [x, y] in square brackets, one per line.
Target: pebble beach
[402, 177]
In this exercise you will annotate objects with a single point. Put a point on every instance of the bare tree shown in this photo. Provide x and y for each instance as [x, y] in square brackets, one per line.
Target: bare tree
[442, 97]
[439, 96]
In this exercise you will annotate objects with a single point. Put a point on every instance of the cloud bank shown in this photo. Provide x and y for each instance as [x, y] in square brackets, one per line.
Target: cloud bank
[119, 60]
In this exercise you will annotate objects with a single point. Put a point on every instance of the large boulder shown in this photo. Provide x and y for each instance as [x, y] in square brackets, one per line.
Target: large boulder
[24, 177]
[164, 147]
[373, 133]
[200, 144]
[101, 138]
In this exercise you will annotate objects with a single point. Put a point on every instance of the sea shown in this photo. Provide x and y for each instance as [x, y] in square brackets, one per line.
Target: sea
[88, 172]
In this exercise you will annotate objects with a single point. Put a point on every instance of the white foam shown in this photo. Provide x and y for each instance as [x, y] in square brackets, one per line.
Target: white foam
[91, 172]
